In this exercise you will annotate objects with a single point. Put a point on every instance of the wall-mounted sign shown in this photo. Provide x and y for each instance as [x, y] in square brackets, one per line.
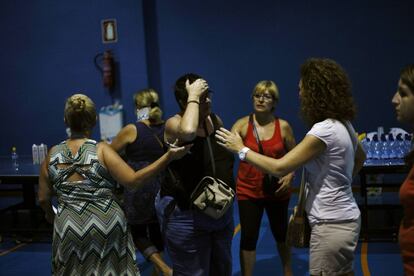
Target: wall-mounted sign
[109, 32]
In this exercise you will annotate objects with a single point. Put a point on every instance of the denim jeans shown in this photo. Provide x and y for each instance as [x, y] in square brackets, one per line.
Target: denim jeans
[197, 244]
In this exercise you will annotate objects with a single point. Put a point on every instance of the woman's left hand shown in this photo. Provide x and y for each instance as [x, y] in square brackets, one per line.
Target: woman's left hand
[231, 141]
[285, 183]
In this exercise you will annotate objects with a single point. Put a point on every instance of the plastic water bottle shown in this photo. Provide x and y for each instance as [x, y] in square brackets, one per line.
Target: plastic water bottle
[384, 150]
[393, 148]
[15, 159]
[376, 150]
[407, 144]
[41, 153]
[366, 145]
[35, 154]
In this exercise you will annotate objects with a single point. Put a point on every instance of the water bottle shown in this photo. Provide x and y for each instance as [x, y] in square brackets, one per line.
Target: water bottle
[393, 149]
[400, 148]
[407, 144]
[376, 150]
[41, 153]
[366, 145]
[384, 150]
[35, 154]
[15, 159]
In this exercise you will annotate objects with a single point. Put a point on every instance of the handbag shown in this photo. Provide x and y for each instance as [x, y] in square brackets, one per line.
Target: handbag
[269, 182]
[212, 196]
[299, 230]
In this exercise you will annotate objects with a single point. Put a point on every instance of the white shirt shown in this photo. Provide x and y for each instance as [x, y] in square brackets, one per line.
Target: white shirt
[329, 176]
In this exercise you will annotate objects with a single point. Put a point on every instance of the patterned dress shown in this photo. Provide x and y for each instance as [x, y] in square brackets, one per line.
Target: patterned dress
[90, 234]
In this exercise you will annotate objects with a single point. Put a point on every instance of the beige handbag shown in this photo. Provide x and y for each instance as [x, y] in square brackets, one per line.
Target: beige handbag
[299, 230]
[212, 196]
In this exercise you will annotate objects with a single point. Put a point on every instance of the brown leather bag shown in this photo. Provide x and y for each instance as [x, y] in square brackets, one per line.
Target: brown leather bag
[299, 230]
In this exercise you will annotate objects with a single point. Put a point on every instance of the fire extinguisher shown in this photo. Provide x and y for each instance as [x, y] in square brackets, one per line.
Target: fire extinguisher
[107, 68]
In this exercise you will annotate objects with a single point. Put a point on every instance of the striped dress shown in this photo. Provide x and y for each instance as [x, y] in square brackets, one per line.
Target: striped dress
[90, 235]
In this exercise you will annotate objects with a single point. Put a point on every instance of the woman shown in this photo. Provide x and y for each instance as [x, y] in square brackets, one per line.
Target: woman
[253, 192]
[331, 155]
[90, 235]
[196, 243]
[141, 142]
[403, 101]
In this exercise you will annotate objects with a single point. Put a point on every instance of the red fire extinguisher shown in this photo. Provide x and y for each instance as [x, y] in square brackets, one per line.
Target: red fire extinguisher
[107, 68]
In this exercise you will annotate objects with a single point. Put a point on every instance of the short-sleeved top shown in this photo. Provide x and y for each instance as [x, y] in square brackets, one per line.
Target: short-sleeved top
[249, 177]
[329, 176]
[195, 165]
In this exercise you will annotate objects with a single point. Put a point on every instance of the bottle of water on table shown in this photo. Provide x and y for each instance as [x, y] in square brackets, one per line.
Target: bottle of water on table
[15, 159]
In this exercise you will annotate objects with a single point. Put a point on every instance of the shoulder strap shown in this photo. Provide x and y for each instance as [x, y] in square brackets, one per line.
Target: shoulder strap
[210, 150]
[302, 192]
[256, 134]
[155, 136]
[174, 179]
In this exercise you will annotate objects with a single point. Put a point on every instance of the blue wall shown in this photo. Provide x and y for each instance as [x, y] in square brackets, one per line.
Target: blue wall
[47, 54]
[47, 51]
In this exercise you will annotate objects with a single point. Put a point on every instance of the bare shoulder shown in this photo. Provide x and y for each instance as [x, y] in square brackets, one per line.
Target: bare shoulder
[172, 127]
[130, 127]
[101, 149]
[52, 149]
[173, 121]
[102, 146]
[240, 126]
[284, 125]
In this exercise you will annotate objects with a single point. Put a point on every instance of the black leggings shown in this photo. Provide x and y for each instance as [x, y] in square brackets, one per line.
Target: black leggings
[251, 213]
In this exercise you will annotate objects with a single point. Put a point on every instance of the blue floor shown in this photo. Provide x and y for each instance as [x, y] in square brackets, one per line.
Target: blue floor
[380, 259]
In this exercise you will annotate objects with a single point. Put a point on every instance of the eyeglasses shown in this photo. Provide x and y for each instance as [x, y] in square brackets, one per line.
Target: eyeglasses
[266, 97]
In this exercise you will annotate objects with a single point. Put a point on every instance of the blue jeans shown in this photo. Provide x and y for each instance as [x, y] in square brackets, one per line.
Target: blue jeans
[197, 244]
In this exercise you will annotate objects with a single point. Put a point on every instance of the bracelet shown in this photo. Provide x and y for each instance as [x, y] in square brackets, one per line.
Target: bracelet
[193, 101]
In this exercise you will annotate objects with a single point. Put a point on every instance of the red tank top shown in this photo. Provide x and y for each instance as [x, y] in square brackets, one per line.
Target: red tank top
[406, 233]
[249, 178]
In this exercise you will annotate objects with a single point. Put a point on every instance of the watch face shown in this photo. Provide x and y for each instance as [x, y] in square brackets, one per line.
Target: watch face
[242, 155]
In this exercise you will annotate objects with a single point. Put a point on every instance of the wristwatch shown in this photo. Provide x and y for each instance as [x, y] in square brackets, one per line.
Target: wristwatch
[242, 153]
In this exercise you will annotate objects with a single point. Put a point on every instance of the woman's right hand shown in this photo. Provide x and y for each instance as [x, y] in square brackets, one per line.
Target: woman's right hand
[175, 152]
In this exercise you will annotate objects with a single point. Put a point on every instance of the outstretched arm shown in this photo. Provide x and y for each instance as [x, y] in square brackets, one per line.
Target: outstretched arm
[289, 143]
[309, 148]
[122, 173]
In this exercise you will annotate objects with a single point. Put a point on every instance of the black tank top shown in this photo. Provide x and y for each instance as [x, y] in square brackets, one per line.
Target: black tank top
[190, 169]
[146, 147]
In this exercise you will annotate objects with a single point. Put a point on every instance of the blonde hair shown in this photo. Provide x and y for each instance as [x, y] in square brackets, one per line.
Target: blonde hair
[267, 85]
[149, 98]
[80, 113]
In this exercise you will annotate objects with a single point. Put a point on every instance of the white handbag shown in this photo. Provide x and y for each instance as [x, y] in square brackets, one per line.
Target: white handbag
[212, 197]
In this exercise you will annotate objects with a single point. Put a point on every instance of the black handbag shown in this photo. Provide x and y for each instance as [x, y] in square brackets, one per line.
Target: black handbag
[269, 182]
